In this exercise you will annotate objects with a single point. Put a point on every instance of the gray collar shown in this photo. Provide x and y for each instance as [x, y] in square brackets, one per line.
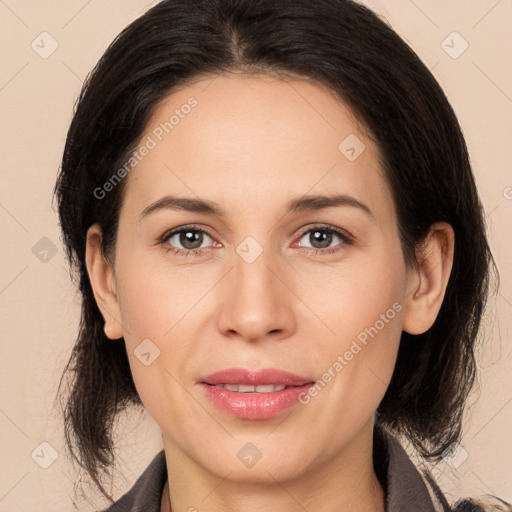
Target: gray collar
[405, 488]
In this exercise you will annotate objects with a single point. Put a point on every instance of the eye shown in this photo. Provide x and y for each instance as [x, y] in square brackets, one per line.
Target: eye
[320, 239]
[185, 240]
[191, 240]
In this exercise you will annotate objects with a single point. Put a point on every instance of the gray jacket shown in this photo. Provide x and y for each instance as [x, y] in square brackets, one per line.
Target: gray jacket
[406, 490]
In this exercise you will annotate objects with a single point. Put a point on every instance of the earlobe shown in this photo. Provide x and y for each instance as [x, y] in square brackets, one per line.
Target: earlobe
[429, 280]
[102, 280]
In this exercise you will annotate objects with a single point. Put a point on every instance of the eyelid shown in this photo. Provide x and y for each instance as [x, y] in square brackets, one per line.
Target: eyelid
[177, 229]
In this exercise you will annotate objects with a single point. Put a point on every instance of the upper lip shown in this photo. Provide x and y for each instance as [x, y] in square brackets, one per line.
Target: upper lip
[256, 377]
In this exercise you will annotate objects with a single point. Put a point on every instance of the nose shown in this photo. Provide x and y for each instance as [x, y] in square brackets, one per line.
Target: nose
[258, 301]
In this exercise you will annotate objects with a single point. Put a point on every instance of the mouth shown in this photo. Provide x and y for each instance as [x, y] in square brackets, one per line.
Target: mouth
[254, 395]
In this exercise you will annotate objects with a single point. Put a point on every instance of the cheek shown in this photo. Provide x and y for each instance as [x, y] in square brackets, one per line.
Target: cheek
[363, 295]
[143, 311]
[161, 312]
[363, 309]
[154, 296]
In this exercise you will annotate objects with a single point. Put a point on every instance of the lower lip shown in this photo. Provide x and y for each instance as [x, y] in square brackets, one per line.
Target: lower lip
[254, 406]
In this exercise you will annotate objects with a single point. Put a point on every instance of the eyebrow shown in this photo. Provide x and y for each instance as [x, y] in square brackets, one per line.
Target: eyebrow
[301, 204]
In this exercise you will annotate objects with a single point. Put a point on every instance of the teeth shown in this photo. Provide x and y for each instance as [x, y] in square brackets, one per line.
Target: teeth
[247, 388]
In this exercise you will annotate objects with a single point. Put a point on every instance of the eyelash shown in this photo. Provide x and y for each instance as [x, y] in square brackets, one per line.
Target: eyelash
[346, 238]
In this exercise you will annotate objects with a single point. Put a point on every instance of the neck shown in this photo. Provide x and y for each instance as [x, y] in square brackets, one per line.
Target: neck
[346, 481]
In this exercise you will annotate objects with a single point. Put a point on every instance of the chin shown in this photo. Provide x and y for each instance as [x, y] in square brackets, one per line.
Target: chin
[250, 465]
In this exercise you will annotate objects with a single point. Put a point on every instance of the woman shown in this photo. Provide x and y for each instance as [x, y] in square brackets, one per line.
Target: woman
[282, 258]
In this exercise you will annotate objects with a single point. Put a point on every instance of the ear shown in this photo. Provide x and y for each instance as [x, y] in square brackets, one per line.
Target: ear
[428, 281]
[102, 278]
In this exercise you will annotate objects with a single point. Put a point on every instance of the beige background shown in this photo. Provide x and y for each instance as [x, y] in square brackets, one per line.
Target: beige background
[39, 307]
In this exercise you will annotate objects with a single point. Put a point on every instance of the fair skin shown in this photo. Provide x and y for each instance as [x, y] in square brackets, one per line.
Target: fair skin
[251, 145]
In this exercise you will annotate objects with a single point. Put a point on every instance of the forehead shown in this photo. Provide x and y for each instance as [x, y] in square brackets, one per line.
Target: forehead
[249, 140]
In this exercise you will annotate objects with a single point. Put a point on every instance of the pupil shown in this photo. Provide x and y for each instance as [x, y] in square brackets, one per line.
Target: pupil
[322, 237]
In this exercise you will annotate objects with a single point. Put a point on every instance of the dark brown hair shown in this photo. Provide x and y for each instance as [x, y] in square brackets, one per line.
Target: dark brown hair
[349, 49]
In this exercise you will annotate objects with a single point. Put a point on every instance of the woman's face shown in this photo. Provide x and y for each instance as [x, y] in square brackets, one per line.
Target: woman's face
[318, 291]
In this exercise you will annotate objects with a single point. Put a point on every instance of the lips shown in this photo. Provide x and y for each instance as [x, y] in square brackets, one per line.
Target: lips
[257, 395]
